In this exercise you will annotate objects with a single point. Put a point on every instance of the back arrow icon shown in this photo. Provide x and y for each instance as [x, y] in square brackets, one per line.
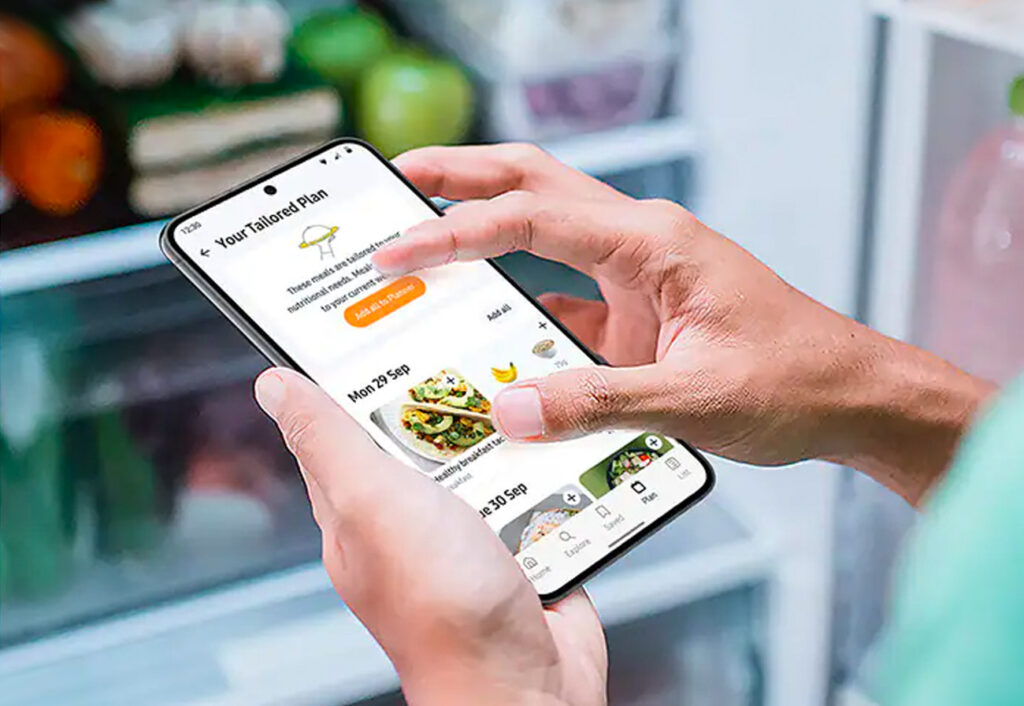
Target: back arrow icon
[204, 252]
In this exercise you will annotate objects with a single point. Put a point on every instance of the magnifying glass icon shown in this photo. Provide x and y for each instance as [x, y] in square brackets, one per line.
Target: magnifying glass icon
[565, 536]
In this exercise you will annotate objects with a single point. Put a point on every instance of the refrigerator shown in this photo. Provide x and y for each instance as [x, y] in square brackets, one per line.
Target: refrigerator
[941, 252]
[156, 544]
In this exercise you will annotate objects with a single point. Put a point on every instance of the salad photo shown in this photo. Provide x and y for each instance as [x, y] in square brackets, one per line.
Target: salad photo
[618, 468]
[544, 518]
[627, 463]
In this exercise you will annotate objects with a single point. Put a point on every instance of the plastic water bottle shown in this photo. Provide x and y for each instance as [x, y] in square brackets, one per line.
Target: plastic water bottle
[976, 294]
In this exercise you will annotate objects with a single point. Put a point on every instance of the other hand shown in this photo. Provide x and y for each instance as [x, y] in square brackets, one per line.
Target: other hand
[423, 572]
[721, 351]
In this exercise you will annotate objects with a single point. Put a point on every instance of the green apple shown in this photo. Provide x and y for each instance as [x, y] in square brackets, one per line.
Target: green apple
[1017, 96]
[411, 99]
[341, 44]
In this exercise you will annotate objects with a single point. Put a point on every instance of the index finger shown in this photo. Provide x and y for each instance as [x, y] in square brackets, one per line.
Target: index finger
[598, 237]
[484, 171]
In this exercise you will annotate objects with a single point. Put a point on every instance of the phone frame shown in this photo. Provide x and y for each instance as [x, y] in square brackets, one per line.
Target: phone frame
[278, 356]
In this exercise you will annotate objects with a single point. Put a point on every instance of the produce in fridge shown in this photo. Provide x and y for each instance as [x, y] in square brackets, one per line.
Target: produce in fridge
[32, 73]
[412, 99]
[53, 158]
[341, 44]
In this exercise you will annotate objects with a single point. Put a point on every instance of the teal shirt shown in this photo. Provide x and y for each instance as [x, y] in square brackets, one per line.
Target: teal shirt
[956, 632]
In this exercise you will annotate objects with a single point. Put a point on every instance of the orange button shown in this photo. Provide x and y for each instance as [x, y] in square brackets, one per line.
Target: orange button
[382, 302]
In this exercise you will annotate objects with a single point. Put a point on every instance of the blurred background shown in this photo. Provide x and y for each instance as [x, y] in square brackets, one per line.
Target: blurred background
[155, 542]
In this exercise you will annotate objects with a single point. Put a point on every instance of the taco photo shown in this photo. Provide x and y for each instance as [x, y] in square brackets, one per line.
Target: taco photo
[449, 388]
[438, 418]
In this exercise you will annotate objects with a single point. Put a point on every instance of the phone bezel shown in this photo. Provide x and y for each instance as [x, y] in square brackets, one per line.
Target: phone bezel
[278, 356]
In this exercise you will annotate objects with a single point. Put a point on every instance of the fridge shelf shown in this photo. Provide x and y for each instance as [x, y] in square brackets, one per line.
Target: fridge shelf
[629, 147]
[201, 650]
[80, 258]
[136, 247]
[996, 24]
[111, 391]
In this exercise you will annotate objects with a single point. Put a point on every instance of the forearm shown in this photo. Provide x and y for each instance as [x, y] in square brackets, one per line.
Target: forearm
[902, 413]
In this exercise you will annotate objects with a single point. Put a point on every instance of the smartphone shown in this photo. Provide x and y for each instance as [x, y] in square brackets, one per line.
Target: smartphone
[418, 359]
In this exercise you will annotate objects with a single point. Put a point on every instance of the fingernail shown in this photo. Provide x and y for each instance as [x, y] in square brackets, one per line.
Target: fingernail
[380, 262]
[270, 393]
[517, 412]
[384, 267]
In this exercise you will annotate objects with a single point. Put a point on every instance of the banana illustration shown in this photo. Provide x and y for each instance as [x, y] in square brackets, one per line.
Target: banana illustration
[505, 375]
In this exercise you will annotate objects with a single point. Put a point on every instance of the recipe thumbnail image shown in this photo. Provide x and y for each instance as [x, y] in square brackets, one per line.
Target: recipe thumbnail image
[437, 419]
[628, 460]
[543, 518]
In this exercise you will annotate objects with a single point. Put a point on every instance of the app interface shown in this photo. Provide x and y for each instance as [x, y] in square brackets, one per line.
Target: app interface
[418, 360]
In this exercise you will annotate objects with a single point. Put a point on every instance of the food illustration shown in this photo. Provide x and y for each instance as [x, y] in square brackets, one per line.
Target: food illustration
[543, 523]
[440, 417]
[505, 375]
[545, 349]
[322, 237]
[627, 463]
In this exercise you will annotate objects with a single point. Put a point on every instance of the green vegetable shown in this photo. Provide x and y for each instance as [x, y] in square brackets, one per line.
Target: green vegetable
[427, 391]
[454, 401]
[36, 560]
[437, 424]
[36, 486]
[463, 436]
[341, 44]
[127, 490]
[1017, 96]
[629, 462]
[410, 99]
[6, 583]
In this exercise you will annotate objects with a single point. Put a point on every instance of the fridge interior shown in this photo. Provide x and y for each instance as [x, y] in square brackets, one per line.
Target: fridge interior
[167, 535]
[214, 647]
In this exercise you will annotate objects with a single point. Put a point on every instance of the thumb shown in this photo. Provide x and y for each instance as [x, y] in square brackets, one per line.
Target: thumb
[339, 462]
[576, 402]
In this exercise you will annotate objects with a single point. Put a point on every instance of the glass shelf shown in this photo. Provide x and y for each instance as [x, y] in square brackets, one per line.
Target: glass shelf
[214, 649]
[142, 366]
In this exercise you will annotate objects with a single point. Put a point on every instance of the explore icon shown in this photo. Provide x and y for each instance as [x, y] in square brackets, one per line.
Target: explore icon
[320, 236]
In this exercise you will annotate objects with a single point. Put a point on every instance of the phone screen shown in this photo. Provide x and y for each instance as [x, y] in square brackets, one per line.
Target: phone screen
[418, 359]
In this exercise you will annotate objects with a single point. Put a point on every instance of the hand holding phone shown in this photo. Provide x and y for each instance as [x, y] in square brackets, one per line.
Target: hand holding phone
[384, 522]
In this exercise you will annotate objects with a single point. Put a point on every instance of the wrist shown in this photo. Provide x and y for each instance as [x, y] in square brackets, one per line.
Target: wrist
[900, 413]
[467, 671]
[468, 684]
